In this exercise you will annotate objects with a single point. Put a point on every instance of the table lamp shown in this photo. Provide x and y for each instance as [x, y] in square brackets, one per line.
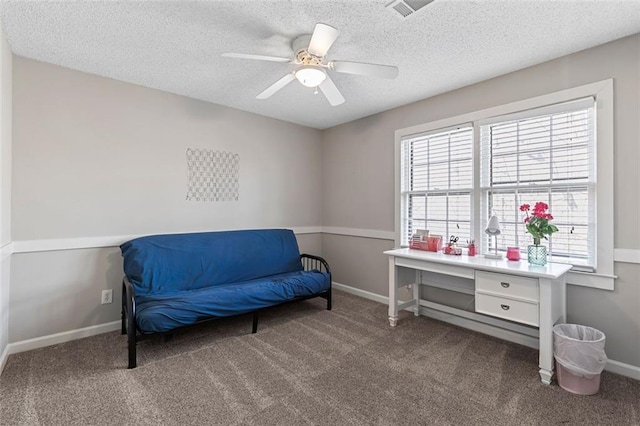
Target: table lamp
[493, 229]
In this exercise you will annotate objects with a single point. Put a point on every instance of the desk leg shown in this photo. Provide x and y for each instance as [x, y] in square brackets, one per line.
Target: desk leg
[393, 292]
[416, 293]
[562, 282]
[546, 330]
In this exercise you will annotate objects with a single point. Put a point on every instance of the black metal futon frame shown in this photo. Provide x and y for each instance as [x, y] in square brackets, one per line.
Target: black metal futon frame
[134, 334]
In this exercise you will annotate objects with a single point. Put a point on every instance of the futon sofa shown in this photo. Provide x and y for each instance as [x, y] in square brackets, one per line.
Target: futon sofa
[178, 280]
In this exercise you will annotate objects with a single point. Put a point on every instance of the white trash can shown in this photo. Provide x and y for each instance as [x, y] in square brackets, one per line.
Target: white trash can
[580, 357]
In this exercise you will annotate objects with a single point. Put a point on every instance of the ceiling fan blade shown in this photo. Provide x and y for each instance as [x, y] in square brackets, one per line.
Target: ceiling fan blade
[256, 57]
[361, 68]
[276, 86]
[331, 92]
[322, 38]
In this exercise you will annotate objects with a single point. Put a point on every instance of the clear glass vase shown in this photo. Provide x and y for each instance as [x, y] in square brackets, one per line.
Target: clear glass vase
[537, 255]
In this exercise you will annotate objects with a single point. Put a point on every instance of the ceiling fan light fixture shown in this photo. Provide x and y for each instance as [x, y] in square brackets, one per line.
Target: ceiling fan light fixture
[310, 76]
[309, 59]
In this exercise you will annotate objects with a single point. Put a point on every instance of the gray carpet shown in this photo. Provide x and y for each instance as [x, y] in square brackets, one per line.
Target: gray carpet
[305, 366]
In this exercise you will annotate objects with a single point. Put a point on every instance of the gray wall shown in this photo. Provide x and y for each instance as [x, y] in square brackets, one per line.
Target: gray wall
[6, 108]
[94, 157]
[102, 157]
[5, 185]
[358, 179]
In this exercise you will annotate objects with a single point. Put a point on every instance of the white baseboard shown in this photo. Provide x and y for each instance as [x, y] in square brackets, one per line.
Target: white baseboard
[3, 358]
[65, 336]
[490, 330]
[613, 366]
[362, 293]
[500, 333]
[623, 369]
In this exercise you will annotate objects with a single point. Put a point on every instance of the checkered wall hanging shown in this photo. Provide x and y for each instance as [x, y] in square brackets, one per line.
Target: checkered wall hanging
[213, 175]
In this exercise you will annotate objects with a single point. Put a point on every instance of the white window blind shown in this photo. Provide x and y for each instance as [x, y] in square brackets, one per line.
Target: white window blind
[437, 183]
[548, 155]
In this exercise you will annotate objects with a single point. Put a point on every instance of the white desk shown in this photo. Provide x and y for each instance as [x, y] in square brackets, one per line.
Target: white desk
[515, 291]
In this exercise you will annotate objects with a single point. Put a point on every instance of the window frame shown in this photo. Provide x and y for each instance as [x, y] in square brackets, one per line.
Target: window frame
[590, 184]
[602, 91]
[426, 192]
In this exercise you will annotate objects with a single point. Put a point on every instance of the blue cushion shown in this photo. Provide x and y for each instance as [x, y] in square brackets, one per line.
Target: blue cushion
[167, 264]
[160, 313]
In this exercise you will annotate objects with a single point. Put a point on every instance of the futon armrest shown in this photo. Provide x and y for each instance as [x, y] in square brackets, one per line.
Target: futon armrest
[311, 262]
[128, 297]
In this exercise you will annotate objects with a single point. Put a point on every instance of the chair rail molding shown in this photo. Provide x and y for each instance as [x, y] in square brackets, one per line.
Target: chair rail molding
[626, 255]
[6, 251]
[620, 254]
[30, 246]
[357, 232]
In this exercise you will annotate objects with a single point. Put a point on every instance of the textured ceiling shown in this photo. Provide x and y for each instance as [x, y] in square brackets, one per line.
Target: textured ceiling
[175, 46]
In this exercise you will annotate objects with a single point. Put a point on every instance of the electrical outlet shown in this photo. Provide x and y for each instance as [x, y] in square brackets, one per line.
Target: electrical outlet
[107, 296]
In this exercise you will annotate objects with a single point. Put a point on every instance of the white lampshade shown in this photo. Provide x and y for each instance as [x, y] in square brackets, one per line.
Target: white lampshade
[310, 76]
[493, 227]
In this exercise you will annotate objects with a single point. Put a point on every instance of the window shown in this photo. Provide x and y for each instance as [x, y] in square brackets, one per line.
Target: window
[437, 182]
[452, 174]
[546, 154]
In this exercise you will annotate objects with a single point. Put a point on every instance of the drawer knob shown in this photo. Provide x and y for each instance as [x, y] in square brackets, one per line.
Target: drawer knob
[505, 285]
[505, 307]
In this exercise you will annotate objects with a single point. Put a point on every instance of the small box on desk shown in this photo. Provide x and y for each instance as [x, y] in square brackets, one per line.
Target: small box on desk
[419, 245]
[432, 243]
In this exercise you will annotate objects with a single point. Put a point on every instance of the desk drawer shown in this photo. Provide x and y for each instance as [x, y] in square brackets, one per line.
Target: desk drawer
[514, 310]
[508, 285]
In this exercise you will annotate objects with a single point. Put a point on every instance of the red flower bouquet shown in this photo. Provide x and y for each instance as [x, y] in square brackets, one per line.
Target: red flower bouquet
[537, 223]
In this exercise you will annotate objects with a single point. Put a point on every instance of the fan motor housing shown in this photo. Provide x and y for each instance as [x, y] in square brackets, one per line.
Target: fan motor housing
[300, 43]
[301, 54]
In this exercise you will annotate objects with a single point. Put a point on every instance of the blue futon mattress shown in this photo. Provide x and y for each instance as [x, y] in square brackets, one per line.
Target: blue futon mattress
[159, 313]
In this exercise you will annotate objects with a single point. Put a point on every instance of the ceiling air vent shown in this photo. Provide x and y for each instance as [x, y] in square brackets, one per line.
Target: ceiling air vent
[407, 7]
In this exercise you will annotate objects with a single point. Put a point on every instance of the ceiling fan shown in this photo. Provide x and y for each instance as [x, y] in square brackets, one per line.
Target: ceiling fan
[309, 57]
